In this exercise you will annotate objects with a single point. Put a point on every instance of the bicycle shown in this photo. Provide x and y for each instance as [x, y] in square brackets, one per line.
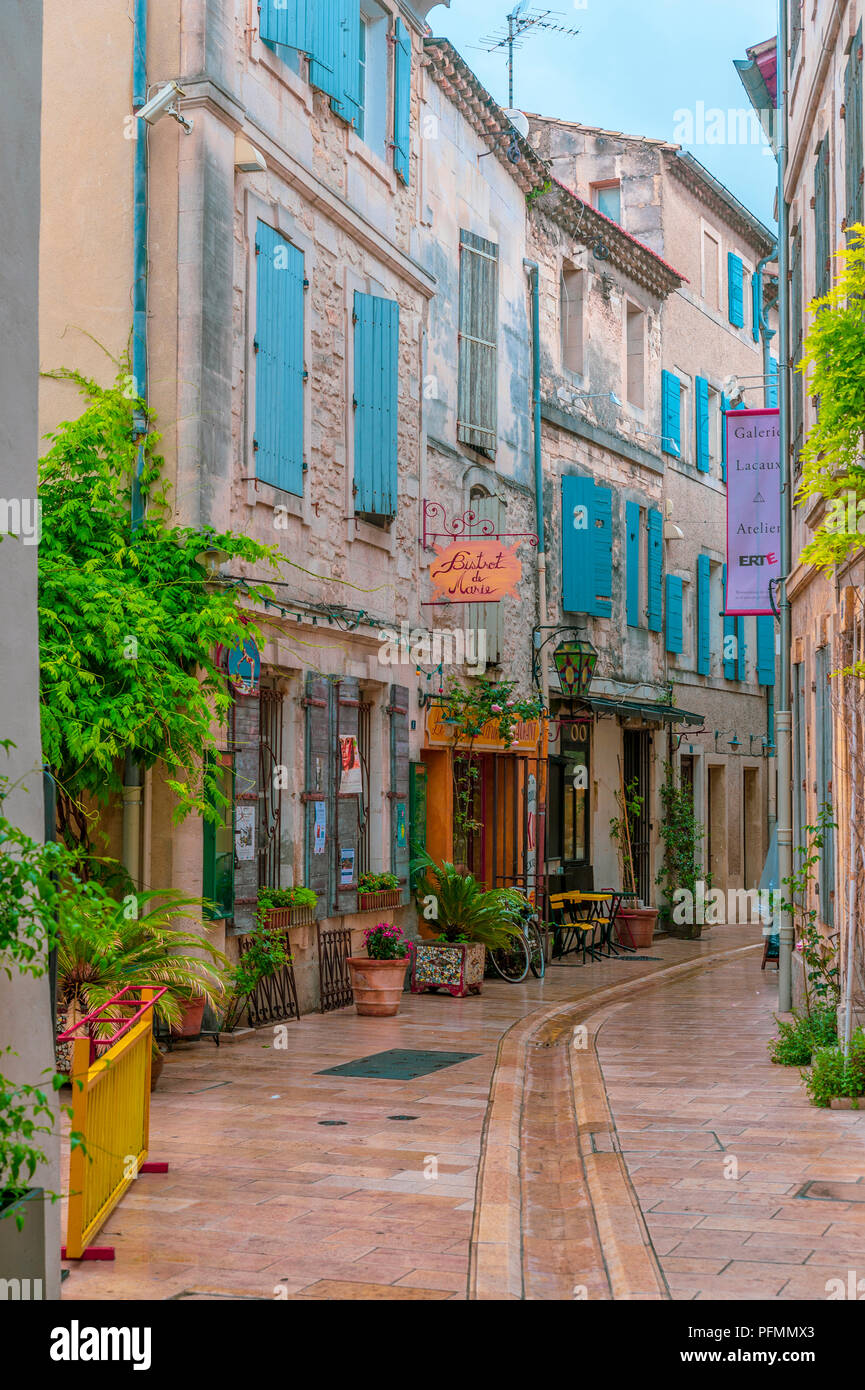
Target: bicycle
[523, 952]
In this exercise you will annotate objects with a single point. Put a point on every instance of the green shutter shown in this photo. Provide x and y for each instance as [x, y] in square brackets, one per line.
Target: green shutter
[703, 616]
[656, 569]
[632, 563]
[822, 263]
[735, 290]
[279, 370]
[766, 649]
[853, 169]
[674, 613]
[702, 394]
[671, 414]
[218, 869]
[477, 403]
[602, 549]
[376, 383]
[729, 631]
[401, 100]
[797, 332]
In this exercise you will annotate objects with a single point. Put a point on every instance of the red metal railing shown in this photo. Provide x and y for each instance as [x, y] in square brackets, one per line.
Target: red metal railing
[127, 1020]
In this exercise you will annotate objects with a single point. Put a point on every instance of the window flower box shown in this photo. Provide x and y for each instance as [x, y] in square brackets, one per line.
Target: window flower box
[281, 918]
[385, 897]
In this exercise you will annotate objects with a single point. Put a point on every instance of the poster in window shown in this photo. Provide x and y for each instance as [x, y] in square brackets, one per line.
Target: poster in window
[319, 828]
[346, 867]
[244, 833]
[400, 825]
[349, 757]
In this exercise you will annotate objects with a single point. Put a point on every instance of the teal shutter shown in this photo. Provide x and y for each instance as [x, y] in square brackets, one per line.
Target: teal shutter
[674, 613]
[725, 406]
[772, 385]
[376, 377]
[741, 648]
[853, 133]
[756, 305]
[703, 616]
[285, 23]
[279, 370]
[325, 43]
[702, 386]
[656, 569]
[671, 414]
[822, 233]
[587, 547]
[735, 290]
[632, 563]
[729, 631]
[401, 100]
[766, 649]
[824, 731]
[346, 103]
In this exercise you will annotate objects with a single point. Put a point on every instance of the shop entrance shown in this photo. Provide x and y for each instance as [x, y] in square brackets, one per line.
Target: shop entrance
[637, 772]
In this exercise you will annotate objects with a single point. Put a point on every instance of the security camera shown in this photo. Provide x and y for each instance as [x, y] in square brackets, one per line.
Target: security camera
[164, 103]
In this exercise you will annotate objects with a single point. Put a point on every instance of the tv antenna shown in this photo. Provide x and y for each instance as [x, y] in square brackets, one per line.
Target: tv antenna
[521, 21]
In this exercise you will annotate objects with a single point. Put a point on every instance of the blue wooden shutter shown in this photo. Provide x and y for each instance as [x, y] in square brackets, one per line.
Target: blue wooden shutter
[577, 546]
[376, 378]
[279, 371]
[729, 631]
[725, 406]
[285, 23]
[632, 563]
[735, 290]
[656, 569]
[671, 413]
[702, 386]
[756, 305]
[772, 385]
[674, 613]
[703, 616]
[347, 102]
[824, 722]
[587, 547]
[326, 18]
[401, 100]
[741, 648]
[766, 649]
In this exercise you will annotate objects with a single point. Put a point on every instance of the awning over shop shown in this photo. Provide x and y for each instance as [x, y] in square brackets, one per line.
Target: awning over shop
[644, 709]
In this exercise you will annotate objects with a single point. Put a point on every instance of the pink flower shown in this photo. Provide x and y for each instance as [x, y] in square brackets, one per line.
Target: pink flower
[800, 945]
[496, 709]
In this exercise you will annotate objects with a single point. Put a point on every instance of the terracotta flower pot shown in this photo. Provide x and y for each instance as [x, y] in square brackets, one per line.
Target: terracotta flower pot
[635, 926]
[156, 1064]
[190, 1024]
[377, 985]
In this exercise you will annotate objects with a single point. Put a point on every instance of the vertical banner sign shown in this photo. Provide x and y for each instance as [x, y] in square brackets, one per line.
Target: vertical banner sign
[753, 442]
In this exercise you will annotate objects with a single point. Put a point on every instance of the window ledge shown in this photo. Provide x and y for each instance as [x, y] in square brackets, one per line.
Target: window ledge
[383, 538]
[295, 82]
[358, 148]
[261, 494]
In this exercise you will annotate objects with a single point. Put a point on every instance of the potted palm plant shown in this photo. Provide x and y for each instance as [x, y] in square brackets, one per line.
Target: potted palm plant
[470, 919]
[377, 978]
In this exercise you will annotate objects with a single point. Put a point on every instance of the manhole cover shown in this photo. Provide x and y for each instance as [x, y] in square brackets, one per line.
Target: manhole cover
[333, 1122]
[399, 1064]
[819, 1190]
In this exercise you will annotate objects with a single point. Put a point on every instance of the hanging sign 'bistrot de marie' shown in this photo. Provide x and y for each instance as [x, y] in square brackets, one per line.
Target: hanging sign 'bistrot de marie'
[753, 509]
[476, 571]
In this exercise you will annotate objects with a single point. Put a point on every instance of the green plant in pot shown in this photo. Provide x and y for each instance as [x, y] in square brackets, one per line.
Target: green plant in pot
[265, 953]
[470, 920]
[377, 890]
[377, 978]
[635, 922]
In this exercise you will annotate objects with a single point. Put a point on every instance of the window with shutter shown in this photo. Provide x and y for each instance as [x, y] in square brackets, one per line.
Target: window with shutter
[632, 563]
[478, 343]
[674, 613]
[655, 568]
[735, 290]
[402, 101]
[823, 719]
[319, 792]
[349, 77]
[351, 806]
[486, 617]
[766, 650]
[587, 551]
[822, 264]
[853, 167]
[756, 305]
[671, 414]
[772, 384]
[279, 369]
[325, 22]
[376, 380]
[399, 787]
[797, 331]
[571, 315]
[704, 616]
[285, 23]
[741, 649]
[730, 634]
[799, 725]
[702, 406]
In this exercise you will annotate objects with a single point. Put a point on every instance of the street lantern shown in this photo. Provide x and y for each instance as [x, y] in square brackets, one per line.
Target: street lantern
[575, 663]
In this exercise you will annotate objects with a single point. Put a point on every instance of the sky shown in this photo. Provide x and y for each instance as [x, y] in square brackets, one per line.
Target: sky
[640, 66]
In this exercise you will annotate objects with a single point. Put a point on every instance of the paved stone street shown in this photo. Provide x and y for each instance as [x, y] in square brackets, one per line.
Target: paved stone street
[284, 1182]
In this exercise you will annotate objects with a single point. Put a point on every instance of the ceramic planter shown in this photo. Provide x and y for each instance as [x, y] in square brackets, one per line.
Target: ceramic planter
[191, 1020]
[372, 902]
[377, 985]
[442, 965]
[635, 926]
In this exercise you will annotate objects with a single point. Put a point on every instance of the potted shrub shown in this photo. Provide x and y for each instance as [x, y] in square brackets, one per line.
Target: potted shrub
[469, 918]
[375, 891]
[377, 979]
[286, 907]
[265, 953]
[637, 920]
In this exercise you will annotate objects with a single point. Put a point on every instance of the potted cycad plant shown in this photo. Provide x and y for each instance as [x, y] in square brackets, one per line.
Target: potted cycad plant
[377, 978]
[470, 919]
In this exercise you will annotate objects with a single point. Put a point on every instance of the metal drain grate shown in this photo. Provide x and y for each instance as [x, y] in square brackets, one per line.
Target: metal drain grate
[819, 1189]
[399, 1064]
[332, 1122]
[403, 1117]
